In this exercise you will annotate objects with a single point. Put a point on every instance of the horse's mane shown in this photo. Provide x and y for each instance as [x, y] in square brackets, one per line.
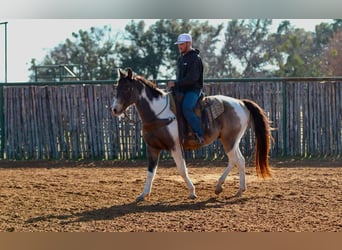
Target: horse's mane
[150, 84]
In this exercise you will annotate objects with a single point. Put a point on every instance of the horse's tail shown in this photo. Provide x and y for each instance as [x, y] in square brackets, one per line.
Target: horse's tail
[263, 137]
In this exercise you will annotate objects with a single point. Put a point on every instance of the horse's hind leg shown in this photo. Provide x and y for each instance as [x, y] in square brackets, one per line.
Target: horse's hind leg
[181, 166]
[235, 159]
[153, 159]
[241, 163]
[223, 177]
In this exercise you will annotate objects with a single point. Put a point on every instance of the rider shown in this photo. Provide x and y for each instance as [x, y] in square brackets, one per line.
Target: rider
[189, 81]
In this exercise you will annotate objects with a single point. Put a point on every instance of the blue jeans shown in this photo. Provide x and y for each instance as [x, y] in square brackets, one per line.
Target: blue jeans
[189, 102]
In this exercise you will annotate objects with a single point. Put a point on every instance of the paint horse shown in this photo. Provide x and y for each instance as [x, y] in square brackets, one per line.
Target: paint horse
[160, 130]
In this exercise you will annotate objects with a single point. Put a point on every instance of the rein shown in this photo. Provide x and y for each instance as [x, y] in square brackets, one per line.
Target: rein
[166, 104]
[148, 126]
[129, 120]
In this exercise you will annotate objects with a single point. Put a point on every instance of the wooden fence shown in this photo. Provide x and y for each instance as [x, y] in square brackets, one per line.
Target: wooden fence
[74, 122]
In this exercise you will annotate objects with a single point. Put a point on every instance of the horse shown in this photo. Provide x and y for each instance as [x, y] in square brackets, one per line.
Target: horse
[160, 130]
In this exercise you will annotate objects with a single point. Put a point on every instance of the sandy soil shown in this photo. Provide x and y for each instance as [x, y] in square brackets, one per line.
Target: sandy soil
[302, 196]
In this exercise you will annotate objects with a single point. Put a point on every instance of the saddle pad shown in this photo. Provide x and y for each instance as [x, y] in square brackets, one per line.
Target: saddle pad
[215, 109]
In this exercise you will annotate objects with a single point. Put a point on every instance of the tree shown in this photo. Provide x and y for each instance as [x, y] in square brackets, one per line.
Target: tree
[93, 50]
[296, 52]
[337, 24]
[136, 51]
[245, 48]
[207, 39]
[284, 27]
[331, 63]
[245, 52]
[151, 51]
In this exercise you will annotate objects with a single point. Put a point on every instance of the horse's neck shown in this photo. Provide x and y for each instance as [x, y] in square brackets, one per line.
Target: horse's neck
[151, 108]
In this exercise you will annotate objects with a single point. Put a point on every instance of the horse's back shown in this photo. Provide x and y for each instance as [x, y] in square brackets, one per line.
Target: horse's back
[233, 107]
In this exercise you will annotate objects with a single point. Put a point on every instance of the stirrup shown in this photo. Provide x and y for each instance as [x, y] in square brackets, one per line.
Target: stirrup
[199, 138]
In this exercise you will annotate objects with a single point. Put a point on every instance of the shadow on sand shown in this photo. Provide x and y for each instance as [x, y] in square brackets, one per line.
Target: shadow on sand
[113, 212]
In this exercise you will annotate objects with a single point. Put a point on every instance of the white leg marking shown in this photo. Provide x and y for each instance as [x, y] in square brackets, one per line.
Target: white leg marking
[148, 185]
[235, 158]
[181, 166]
[241, 167]
[223, 177]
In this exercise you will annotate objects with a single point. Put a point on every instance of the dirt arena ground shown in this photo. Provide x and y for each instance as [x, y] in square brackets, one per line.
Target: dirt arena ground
[302, 196]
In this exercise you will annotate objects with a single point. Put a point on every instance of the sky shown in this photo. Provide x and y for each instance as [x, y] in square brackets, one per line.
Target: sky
[33, 38]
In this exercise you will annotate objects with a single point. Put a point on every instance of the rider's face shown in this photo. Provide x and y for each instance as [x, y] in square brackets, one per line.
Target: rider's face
[183, 47]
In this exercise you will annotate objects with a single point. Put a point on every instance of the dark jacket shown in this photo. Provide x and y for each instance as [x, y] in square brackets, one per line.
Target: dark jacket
[189, 71]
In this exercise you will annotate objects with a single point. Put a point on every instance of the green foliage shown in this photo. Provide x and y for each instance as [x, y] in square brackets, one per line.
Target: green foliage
[245, 48]
[151, 51]
[298, 53]
[92, 50]
[245, 52]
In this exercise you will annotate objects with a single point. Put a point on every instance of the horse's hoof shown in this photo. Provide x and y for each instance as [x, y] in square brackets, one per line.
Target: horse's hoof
[239, 193]
[140, 198]
[218, 190]
[192, 196]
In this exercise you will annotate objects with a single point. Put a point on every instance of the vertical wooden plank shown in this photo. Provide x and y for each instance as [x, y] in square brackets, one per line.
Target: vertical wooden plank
[10, 123]
[311, 137]
[296, 114]
[34, 122]
[83, 126]
[70, 121]
[26, 115]
[288, 128]
[329, 122]
[6, 121]
[49, 115]
[74, 120]
[339, 117]
[318, 112]
[52, 118]
[65, 122]
[293, 125]
[104, 98]
[278, 122]
[59, 122]
[322, 115]
[23, 124]
[305, 114]
[317, 127]
[99, 118]
[29, 111]
[334, 139]
[90, 122]
[95, 122]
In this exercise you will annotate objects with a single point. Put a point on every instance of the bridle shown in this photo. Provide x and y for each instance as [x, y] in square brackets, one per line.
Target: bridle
[129, 120]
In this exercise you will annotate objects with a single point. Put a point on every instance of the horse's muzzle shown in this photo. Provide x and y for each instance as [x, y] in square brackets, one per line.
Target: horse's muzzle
[115, 112]
[115, 107]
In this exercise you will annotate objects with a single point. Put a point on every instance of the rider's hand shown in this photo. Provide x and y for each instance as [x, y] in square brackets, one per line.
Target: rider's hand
[170, 84]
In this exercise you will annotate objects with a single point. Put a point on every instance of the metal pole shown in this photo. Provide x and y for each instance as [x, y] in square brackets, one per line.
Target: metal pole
[6, 52]
[2, 121]
[5, 23]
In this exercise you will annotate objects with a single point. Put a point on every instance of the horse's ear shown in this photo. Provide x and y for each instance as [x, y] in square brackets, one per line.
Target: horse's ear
[121, 74]
[129, 73]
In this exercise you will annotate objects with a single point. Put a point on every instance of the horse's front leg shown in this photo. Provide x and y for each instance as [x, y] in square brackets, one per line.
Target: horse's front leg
[153, 159]
[181, 166]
